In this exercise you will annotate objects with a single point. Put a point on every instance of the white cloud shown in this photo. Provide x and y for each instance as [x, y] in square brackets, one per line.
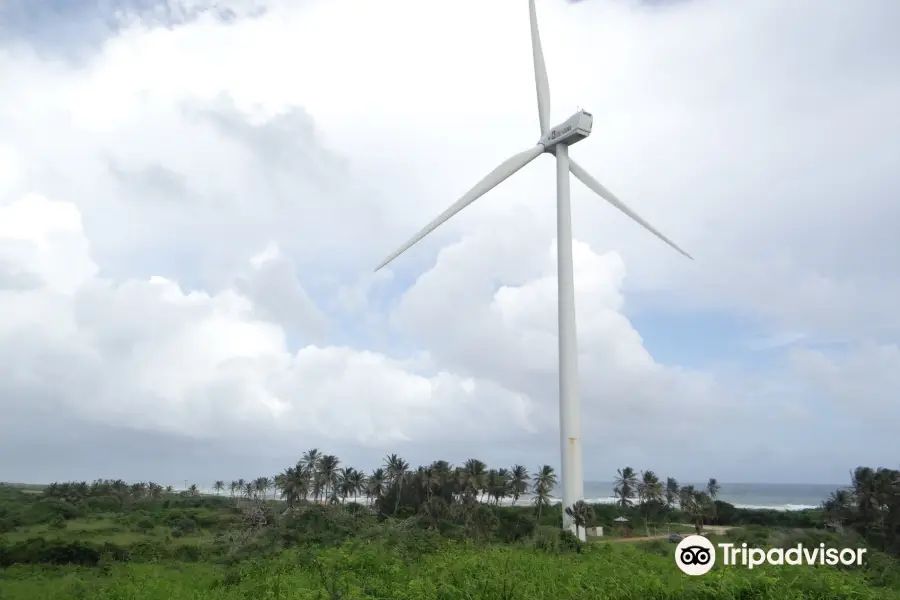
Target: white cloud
[189, 361]
[196, 364]
[189, 219]
[861, 384]
[43, 239]
[273, 288]
[505, 328]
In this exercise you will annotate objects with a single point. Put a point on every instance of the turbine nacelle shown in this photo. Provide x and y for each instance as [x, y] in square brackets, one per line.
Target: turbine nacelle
[571, 131]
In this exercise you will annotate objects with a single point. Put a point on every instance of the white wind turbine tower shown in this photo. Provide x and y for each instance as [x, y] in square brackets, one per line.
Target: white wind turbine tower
[554, 140]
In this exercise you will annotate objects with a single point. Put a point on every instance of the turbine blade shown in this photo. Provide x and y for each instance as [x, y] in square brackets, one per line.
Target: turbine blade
[490, 181]
[541, 82]
[604, 193]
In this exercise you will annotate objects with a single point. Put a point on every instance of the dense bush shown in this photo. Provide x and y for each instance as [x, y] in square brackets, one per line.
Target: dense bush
[41, 551]
[47, 508]
[514, 526]
[144, 525]
[103, 504]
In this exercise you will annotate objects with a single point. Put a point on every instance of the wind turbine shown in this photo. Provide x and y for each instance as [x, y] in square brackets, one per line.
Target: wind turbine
[554, 140]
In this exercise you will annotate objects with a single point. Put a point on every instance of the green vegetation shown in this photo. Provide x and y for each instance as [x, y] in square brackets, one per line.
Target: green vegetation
[322, 531]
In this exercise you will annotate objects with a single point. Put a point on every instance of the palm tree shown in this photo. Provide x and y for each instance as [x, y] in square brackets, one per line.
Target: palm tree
[357, 482]
[262, 485]
[684, 496]
[656, 490]
[838, 508]
[376, 482]
[425, 478]
[294, 485]
[864, 491]
[193, 490]
[582, 513]
[651, 487]
[496, 485]
[328, 475]
[218, 486]
[396, 469]
[698, 505]
[650, 492]
[442, 470]
[543, 482]
[473, 477]
[276, 481]
[625, 486]
[712, 488]
[518, 481]
[671, 492]
[309, 465]
[154, 491]
[502, 489]
[871, 505]
[345, 482]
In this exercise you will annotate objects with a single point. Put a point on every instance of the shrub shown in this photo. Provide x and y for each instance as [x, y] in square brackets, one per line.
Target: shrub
[514, 526]
[40, 551]
[97, 504]
[808, 538]
[752, 535]
[45, 509]
[187, 525]
[57, 522]
[568, 541]
[149, 551]
[546, 539]
[144, 525]
[188, 553]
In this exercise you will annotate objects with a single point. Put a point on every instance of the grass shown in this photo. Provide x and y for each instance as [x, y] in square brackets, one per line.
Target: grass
[455, 571]
[178, 548]
[105, 530]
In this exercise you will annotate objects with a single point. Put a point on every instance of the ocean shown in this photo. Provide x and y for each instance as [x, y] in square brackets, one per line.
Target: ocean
[780, 496]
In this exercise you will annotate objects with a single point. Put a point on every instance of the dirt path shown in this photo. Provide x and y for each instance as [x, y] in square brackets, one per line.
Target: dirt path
[717, 529]
[637, 539]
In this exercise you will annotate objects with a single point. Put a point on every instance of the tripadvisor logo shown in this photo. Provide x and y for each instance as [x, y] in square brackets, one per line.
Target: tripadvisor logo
[696, 555]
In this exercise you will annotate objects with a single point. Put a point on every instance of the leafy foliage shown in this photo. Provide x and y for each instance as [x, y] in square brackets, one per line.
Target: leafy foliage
[324, 530]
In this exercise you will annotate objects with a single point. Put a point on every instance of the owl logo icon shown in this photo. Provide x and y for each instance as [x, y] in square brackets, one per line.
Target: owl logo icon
[695, 555]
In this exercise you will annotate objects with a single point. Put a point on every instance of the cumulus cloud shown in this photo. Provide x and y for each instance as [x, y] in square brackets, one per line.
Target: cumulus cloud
[159, 358]
[507, 331]
[189, 217]
[148, 355]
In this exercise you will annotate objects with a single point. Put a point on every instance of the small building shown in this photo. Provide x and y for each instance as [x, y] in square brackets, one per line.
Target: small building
[594, 531]
[621, 525]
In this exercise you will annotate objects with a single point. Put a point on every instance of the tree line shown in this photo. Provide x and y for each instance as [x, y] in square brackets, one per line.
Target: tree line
[437, 489]
[869, 506]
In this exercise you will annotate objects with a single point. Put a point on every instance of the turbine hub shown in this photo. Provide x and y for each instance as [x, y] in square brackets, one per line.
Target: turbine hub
[571, 131]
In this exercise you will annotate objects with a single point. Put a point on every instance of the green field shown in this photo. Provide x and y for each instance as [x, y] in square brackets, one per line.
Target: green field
[369, 570]
[109, 540]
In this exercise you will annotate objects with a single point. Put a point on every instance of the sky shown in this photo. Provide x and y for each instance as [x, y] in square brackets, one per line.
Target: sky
[193, 199]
